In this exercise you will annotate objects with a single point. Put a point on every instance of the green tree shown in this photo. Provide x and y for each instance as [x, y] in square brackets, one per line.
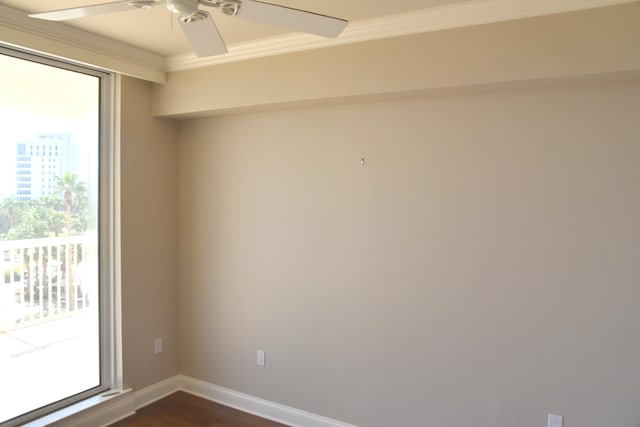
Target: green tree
[66, 211]
[40, 220]
[12, 210]
[75, 198]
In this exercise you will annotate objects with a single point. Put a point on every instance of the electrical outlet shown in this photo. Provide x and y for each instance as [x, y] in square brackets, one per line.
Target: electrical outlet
[157, 345]
[260, 358]
[554, 421]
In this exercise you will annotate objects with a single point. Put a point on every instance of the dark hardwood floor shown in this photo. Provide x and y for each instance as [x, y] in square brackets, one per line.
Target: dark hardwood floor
[185, 410]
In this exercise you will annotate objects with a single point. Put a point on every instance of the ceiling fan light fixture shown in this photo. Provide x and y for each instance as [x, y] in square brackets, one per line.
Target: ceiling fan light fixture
[183, 7]
[142, 4]
[229, 7]
[194, 17]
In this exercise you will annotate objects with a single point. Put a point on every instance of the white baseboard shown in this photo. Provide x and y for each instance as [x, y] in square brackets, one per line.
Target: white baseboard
[125, 404]
[256, 406]
[156, 391]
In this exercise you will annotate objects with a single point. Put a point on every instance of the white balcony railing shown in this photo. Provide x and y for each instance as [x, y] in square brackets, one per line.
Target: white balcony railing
[45, 279]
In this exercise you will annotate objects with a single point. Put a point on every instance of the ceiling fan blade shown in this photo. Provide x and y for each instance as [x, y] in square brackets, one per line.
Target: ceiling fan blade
[281, 16]
[203, 34]
[96, 9]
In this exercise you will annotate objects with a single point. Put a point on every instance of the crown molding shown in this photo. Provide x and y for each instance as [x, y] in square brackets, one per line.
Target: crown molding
[64, 41]
[53, 38]
[468, 13]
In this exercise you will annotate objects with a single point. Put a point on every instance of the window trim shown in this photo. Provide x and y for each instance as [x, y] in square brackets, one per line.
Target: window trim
[109, 244]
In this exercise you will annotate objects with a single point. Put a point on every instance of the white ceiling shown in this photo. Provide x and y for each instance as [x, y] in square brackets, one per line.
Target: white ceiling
[154, 30]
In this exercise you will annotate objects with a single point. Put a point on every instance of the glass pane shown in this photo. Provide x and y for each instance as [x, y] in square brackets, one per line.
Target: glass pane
[49, 307]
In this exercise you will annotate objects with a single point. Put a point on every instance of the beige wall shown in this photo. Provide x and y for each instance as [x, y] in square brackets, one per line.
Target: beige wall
[149, 175]
[541, 49]
[479, 270]
[480, 267]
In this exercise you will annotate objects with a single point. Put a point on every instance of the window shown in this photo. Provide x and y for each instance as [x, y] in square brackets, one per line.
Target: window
[56, 240]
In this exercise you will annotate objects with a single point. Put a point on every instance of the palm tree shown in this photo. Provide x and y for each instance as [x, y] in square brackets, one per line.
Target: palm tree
[72, 190]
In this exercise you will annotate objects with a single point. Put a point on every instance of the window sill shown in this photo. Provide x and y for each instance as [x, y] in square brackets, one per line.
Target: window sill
[99, 410]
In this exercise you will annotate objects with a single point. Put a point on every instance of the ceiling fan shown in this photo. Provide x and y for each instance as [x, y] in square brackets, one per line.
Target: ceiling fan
[198, 25]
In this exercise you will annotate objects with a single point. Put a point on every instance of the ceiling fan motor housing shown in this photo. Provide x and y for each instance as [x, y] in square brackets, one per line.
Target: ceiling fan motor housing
[183, 7]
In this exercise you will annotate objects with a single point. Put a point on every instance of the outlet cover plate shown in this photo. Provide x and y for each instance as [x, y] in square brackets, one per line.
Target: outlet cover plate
[157, 346]
[554, 421]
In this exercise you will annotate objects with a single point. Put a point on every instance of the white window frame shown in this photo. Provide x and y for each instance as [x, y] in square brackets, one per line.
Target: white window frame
[109, 249]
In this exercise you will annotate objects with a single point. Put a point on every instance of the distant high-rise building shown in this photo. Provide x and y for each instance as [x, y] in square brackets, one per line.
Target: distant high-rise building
[38, 162]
